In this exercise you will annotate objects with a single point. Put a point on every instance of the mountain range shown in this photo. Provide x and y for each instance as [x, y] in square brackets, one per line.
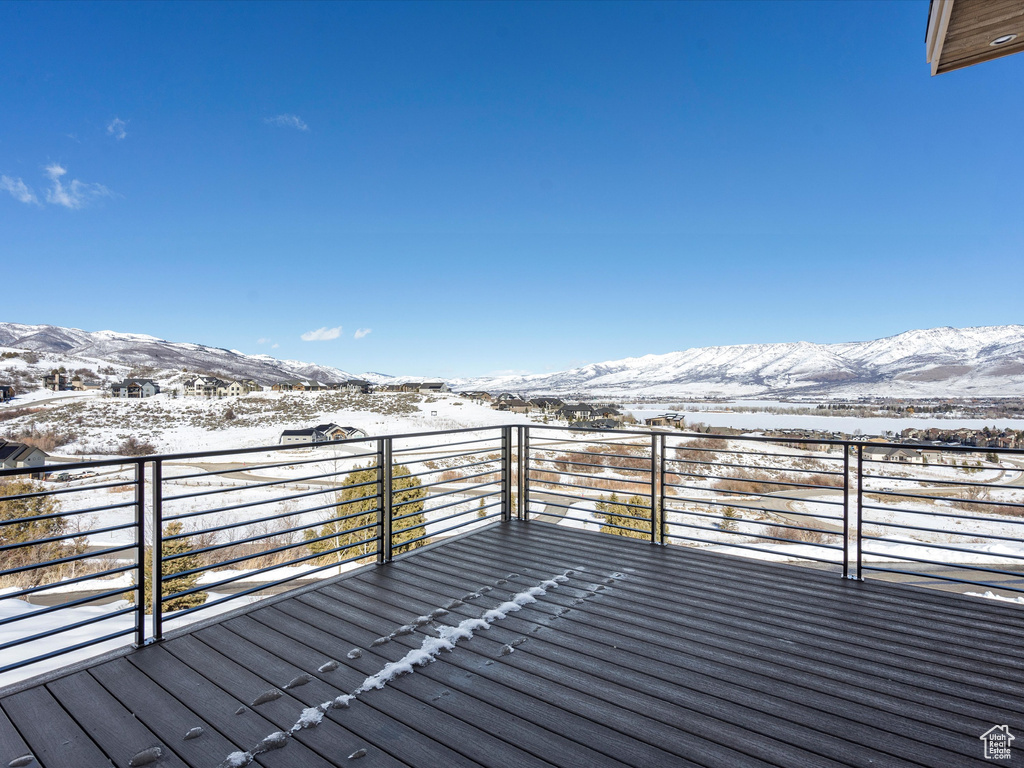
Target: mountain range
[939, 362]
[132, 350]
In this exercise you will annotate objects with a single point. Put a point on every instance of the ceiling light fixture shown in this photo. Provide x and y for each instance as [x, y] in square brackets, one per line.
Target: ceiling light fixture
[1003, 39]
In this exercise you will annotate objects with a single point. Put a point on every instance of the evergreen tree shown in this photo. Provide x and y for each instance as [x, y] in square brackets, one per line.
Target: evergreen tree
[356, 511]
[171, 567]
[33, 530]
[729, 524]
[614, 513]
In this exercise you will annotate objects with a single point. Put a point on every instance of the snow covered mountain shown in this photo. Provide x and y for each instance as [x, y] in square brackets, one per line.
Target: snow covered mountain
[951, 362]
[74, 348]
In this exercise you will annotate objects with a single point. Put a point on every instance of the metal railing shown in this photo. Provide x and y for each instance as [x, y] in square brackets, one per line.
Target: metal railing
[78, 573]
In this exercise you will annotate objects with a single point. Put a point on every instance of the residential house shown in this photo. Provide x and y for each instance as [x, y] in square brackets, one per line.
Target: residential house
[355, 387]
[55, 381]
[881, 453]
[433, 388]
[667, 420]
[20, 456]
[410, 386]
[6, 392]
[607, 412]
[78, 384]
[576, 412]
[598, 424]
[135, 388]
[298, 385]
[516, 406]
[478, 397]
[321, 433]
[546, 404]
[237, 388]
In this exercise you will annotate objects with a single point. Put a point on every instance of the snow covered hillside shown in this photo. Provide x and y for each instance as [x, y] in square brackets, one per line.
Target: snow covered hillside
[941, 362]
[111, 355]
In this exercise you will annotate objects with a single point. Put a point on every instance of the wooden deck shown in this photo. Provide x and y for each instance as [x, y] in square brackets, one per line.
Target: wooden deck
[647, 656]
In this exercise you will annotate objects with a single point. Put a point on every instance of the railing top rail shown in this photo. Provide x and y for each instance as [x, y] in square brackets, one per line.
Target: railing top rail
[88, 464]
[849, 443]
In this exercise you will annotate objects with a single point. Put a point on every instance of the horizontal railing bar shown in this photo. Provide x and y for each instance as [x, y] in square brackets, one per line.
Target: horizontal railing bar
[586, 487]
[953, 483]
[770, 538]
[67, 628]
[451, 469]
[445, 530]
[248, 574]
[254, 555]
[753, 522]
[70, 604]
[263, 502]
[57, 515]
[753, 466]
[550, 492]
[277, 465]
[255, 520]
[68, 649]
[263, 586]
[250, 539]
[456, 481]
[65, 537]
[69, 559]
[423, 448]
[593, 454]
[425, 499]
[735, 452]
[946, 547]
[64, 491]
[729, 503]
[587, 476]
[443, 458]
[959, 566]
[922, 574]
[775, 552]
[245, 486]
[442, 506]
[771, 495]
[74, 465]
[947, 532]
[65, 582]
[588, 464]
[952, 515]
[752, 480]
[983, 502]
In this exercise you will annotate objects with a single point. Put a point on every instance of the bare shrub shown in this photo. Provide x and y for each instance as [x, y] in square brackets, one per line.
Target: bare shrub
[132, 446]
[800, 535]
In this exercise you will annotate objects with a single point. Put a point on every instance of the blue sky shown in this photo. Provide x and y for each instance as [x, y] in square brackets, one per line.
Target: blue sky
[480, 187]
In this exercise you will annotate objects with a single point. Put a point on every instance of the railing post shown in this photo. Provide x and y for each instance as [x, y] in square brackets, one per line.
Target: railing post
[506, 474]
[384, 510]
[157, 585]
[662, 525]
[847, 530]
[524, 473]
[860, 507]
[655, 487]
[140, 553]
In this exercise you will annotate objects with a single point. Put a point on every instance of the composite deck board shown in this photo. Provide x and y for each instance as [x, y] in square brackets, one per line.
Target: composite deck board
[870, 640]
[746, 687]
[645, 656]
[719, 677]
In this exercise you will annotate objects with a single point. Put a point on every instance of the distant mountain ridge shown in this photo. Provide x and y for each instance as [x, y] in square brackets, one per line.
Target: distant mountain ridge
[137, 350]
[953, 362]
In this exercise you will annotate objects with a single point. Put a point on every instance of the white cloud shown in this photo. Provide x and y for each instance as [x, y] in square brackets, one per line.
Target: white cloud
[361, 332]
[274, 346]
[116, 128]
[322, 334]
[19, 190]
[73, 195]
[263, 341]
[287, 121]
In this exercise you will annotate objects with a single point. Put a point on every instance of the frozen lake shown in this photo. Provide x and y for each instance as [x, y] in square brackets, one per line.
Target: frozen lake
[849, 424]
